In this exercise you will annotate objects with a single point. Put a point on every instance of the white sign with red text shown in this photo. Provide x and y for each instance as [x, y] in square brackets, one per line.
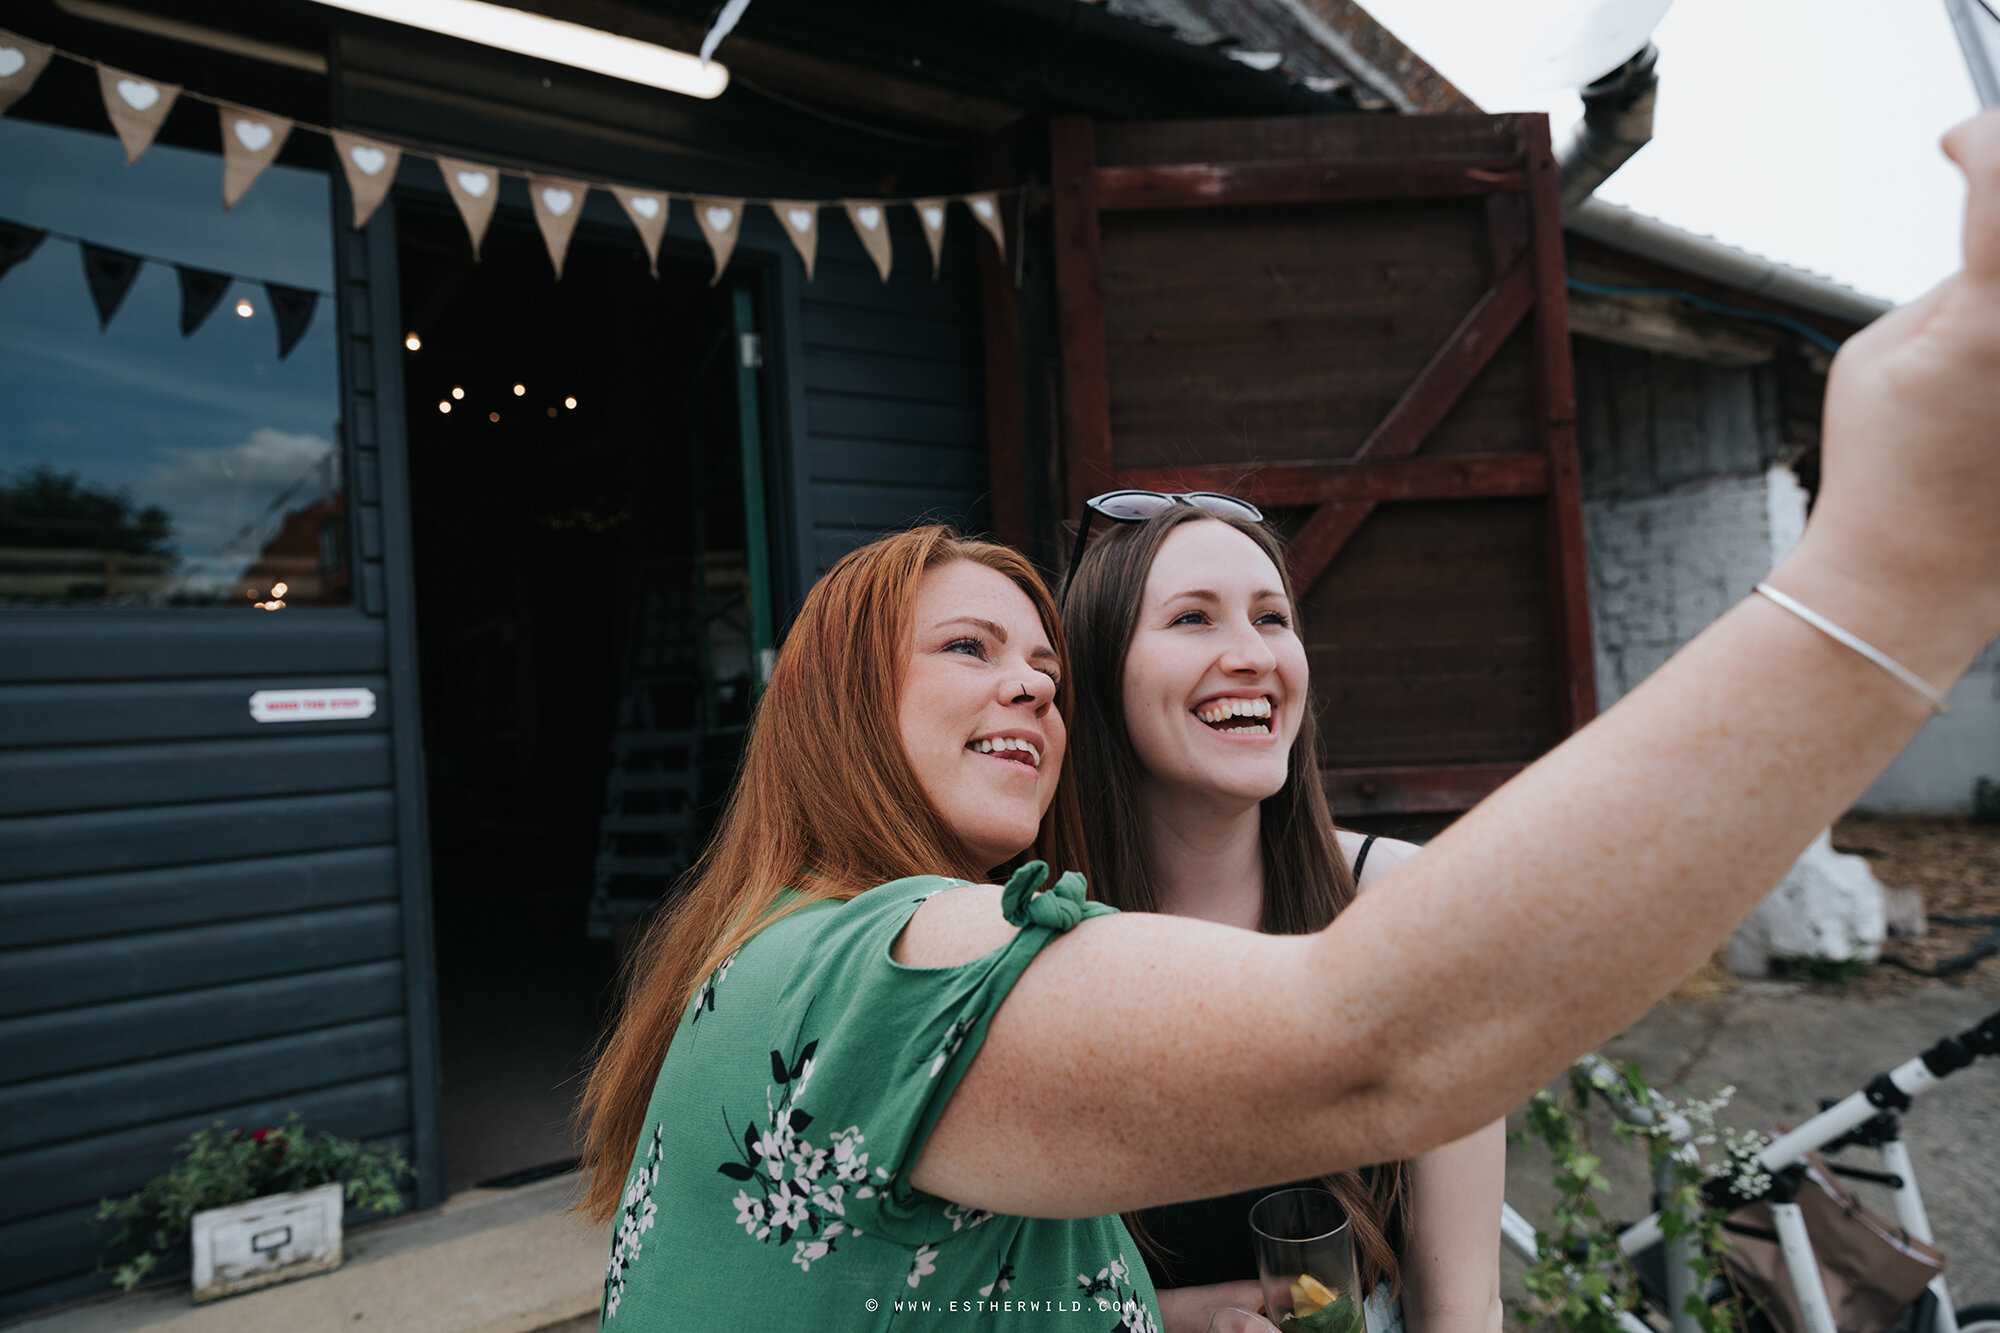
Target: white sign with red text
[335, 705]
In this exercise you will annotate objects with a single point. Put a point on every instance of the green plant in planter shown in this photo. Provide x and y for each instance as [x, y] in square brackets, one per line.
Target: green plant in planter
[218, 1167]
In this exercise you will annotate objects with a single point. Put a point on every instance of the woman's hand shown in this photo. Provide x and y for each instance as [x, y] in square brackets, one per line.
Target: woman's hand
[1903, 539]
[1189, 1309]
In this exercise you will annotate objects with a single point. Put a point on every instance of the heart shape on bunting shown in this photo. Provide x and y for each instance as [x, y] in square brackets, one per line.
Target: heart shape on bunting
[868, 219]
[370, 168]
[986, 212]
[21, 63]
[800, 221]
[648, 212]
[254, 135]
[137, 107]
[251, 141]
[471, 188]
[554, 201]
[930, 212]
[718, 219]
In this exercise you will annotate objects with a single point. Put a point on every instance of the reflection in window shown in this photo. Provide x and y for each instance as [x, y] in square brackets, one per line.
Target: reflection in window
[139, 467]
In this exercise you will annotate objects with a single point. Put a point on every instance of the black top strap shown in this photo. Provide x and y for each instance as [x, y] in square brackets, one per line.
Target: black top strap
[1361, 858]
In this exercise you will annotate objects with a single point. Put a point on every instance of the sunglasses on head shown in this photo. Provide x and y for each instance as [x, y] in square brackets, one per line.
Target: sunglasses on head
[1138, 506]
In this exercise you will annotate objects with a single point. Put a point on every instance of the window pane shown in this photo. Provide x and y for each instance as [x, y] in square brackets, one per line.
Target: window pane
[138, 466]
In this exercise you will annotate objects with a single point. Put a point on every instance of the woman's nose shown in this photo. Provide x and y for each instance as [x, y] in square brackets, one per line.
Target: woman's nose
[1028, 685]
[1247, 652]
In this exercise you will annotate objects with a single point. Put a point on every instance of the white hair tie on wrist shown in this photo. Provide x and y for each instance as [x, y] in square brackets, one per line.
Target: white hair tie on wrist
[1859, 645]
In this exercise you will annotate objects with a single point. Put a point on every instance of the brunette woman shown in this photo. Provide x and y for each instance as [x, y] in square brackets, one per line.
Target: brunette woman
[1197, 757]
[829, 1096]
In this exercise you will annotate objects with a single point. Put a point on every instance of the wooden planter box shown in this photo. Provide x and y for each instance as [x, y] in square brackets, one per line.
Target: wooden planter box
[262, 1241]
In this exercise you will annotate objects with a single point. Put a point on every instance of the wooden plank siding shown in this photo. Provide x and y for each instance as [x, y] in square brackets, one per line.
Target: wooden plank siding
[888, 394]
[202, 917]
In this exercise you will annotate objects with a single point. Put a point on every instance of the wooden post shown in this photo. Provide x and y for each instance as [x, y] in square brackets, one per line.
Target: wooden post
[1086, 414]
[1000, 320]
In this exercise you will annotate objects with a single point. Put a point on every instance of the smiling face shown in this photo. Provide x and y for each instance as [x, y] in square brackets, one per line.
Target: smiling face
[1214, 684]
[977, 708]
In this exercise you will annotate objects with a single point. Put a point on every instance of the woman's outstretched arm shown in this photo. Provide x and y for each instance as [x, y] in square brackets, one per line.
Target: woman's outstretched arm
[1146, 1059]
[1451, 1247]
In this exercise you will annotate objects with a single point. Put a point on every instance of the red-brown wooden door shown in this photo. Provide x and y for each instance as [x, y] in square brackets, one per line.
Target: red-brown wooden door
[1358, 323]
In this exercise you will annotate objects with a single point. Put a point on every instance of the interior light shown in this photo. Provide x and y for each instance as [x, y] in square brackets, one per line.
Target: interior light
[552, 39]
[520, 389]
[569, 403]
[552, 411]
[280, 589]
[245, 309]
[444, 405]
[458, 393]
[492, 416]
[412, 341]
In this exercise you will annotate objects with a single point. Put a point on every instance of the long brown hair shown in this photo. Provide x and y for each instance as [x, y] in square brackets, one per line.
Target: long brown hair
[1306, 877]
[854, 817]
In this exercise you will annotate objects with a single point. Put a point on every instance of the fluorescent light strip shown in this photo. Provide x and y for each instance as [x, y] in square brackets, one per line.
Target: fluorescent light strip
[552, 39]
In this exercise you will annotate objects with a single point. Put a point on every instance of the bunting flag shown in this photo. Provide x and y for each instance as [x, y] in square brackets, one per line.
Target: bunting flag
[370, 168]
[251, 141]
[21, 63]
[721, 220]
[930, 212]
[986, 212]
[871, 224]
[201, 291]
[17, 243]
[475, 189]
[110, 274]
[799, 220]
[137, 107]
[648, 211]
[293, 307]
[558, 204]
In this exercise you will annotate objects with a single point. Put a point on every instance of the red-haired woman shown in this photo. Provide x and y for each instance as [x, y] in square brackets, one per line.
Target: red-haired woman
[830, 1096]
[1196, 750]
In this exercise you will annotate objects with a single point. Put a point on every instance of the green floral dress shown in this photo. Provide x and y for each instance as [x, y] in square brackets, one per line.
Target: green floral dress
[771, 1189]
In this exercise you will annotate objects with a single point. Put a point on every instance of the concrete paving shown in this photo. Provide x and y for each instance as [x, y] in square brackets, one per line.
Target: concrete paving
[1784, 1048]
[513, 1261]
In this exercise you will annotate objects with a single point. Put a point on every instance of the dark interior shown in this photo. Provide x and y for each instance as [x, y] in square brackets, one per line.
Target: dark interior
[539, 528]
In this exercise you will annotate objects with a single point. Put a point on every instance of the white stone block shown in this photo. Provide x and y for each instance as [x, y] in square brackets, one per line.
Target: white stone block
[262, 1241]
[1829, 906]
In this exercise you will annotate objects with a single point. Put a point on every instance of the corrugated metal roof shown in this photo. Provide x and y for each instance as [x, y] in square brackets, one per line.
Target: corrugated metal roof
[1327, 45]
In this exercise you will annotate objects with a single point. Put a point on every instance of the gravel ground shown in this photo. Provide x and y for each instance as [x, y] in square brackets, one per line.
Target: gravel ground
[1786, 1044]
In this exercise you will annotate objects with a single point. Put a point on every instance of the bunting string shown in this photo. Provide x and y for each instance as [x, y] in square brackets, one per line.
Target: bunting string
[252, 139]
[110, 273]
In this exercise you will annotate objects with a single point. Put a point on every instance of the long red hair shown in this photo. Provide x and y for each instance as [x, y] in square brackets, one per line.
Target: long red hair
[826, 805]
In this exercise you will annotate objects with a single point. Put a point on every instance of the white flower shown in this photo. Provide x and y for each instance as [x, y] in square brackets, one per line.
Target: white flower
[1118, 1269]
[832, 1199]
[749, 1211]
[788, 1210]
[922, 1264]
[611, 1306]
[805, 1077]
[807, 1251]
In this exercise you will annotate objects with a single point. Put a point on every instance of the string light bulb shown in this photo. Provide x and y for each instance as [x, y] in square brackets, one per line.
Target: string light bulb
[492, 416]
[570, 403]
[244, 308]
[444, 405]
[520, 389]
[413, 342]
[457, 392]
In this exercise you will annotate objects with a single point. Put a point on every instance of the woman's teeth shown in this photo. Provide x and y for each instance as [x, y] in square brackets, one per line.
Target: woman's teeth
[1001, 744]
[1222, 715]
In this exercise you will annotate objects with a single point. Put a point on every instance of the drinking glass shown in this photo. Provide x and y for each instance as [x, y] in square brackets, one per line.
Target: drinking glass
[1305, 1255]
[1239, 1321]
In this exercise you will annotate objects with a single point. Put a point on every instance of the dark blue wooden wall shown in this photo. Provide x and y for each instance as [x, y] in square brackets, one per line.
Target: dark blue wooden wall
[201, 916]
[887, 401]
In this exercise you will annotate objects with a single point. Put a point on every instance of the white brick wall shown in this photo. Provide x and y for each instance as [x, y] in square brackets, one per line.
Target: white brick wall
[1662, 567]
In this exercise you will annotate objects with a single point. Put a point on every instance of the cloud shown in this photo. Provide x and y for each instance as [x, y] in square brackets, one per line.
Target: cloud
[227, 501]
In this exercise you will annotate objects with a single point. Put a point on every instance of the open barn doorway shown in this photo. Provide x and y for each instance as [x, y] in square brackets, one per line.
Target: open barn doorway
[586, 644]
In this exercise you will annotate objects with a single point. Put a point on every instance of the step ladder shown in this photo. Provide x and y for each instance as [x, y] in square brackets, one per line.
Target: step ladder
[647, 837]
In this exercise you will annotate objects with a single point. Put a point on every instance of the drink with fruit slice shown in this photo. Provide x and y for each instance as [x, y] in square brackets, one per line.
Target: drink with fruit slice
[1305, 1262]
